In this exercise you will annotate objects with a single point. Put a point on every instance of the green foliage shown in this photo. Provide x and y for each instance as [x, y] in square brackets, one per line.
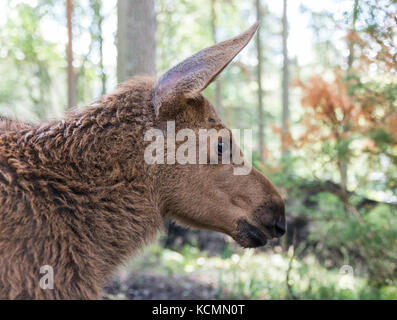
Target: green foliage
[369, 247]
[30, 56]
[259, 275]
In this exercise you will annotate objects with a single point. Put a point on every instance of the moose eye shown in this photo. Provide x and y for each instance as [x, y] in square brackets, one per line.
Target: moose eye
[221, 147]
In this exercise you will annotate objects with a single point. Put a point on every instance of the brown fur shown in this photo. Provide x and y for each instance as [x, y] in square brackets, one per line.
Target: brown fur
[7, 124]
[77, 194]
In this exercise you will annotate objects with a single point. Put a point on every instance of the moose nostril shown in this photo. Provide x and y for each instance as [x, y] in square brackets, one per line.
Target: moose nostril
[280, 228]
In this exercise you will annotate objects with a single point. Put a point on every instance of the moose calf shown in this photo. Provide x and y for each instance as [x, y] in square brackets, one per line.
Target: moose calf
[77, 194]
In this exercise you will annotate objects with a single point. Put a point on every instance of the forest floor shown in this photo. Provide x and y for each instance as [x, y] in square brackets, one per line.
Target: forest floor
[151, 286]
[162, 274]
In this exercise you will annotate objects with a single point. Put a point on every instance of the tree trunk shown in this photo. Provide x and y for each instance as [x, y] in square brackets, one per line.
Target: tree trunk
[350, 60]
[136, 43]
[71, 73]
[285, 99]
[285, 84]
[343, 162]
[218, 83]
[98, 18]
[261, 118]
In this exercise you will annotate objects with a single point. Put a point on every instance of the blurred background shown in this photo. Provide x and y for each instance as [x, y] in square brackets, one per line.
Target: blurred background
[318, 86]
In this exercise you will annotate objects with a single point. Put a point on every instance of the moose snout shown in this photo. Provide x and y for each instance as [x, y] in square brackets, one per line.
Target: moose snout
[277, 228]
[271, 216]
[280, 227]
[268, 222]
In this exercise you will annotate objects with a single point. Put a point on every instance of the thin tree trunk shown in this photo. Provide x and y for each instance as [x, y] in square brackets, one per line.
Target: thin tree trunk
[285, 83]
[218, 83]
[136, 43]
[101, 65]
[285, 99]
[350, 59]
[342, 163]
[71, 73]
[98, 21]
[261, 120]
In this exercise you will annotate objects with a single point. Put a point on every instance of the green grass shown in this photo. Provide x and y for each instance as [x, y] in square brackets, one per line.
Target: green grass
[250, 274]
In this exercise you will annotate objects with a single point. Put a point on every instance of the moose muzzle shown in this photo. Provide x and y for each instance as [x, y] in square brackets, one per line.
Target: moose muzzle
[268, 223]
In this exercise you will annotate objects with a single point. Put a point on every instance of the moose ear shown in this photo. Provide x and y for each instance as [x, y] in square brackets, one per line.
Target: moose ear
[194, 74]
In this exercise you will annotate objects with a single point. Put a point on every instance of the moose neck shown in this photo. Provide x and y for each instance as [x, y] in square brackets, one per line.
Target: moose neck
[94, 161]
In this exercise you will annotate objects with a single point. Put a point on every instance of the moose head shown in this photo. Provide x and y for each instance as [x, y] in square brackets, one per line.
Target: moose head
[211, 196]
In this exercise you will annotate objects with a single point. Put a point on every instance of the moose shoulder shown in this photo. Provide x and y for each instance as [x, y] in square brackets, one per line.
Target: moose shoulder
[77, 194]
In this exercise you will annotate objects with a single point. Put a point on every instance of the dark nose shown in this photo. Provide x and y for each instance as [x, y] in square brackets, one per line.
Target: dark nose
[271, 215]
[278, 210]
[280, 228]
